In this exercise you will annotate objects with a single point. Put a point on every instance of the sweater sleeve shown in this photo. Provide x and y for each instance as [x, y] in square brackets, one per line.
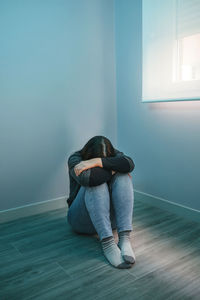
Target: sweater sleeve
[119, 163]
[90, 177]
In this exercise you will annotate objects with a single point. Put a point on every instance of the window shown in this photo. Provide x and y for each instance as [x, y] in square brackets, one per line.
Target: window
[171, 50]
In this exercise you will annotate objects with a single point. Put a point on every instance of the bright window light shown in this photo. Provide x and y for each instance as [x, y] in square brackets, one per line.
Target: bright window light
[171, 50]
[188, 63]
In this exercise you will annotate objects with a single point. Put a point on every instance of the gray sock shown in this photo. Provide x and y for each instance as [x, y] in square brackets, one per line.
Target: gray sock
[113, 253]
[125, 246]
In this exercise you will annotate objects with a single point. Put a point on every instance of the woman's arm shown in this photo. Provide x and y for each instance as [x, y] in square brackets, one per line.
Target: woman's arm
[119, 163]
[87, 164]
[88, 177]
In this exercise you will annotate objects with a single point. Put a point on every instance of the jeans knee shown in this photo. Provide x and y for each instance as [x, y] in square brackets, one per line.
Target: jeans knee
[122, 178]
[121, 175]
[101, 188]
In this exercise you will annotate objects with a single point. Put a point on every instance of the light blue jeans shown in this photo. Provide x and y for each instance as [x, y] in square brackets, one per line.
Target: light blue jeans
[99, 210]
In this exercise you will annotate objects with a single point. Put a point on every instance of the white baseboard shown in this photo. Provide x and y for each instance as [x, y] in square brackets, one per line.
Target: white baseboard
[48, 205]
[181, 210]
[32, 209]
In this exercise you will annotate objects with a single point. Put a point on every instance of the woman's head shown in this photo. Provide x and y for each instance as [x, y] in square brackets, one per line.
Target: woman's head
[98, 146]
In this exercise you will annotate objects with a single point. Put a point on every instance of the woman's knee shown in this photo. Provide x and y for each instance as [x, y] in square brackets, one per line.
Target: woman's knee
[101, 188]
[123, 179]
[121, 176]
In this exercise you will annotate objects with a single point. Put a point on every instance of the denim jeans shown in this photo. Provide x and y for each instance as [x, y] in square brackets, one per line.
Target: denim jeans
[98, 209]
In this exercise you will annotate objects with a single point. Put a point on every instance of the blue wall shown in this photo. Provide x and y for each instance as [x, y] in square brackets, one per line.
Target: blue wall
[57, 90]
[162, 138]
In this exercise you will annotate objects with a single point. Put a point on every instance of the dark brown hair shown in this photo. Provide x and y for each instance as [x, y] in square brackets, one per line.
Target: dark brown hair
[98, 146]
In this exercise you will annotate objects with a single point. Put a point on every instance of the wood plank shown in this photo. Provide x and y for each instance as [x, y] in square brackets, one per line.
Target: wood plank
[30, 280]
[42, 258]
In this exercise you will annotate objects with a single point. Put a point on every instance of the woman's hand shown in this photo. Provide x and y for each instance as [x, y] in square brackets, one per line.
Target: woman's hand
[80, 167]
[87, 164]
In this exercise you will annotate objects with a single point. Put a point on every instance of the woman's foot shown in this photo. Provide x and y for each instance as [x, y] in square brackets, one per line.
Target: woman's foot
[113, 253]
[125, 246]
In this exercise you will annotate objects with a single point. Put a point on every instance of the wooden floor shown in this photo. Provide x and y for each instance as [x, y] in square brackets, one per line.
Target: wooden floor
[41, 258]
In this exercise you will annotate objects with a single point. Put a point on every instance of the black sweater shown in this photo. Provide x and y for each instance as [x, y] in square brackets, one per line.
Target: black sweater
[97, 175]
